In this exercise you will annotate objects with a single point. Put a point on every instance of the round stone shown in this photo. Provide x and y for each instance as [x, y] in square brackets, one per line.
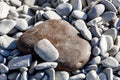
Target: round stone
[96, 11]
[61, 75]
[96, 51]
[64, 9]
[74, 52]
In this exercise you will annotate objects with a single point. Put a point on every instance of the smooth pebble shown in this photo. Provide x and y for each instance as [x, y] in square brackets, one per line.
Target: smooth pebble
[116, 3]
[96, 51]
[114, 50]
[1, 58]
[109, 73]
[51, 73]
[3, 77]
[110, 62]
[79, 76]
[18, 62]
[46, 50]
[94, 41]
[77, 4]
[12, 75]
[95, 60]
[103, 76]
[61, 75]
[92, 67]
[95, 31]
[24, 76]
[117, 56]
[39, 75]
[117, 23]
[22, 69]
[16, 3]
[29, 3]
[32, 67]
[117, 41]
[3, 68]
[4, 52]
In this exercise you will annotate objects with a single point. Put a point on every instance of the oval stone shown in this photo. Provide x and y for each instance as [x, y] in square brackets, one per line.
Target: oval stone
[74, 52]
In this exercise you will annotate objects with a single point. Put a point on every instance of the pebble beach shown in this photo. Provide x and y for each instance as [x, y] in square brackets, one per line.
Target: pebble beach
[95, 56]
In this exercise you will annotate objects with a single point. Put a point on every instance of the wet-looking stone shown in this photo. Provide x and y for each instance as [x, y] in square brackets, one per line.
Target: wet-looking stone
[74, 52]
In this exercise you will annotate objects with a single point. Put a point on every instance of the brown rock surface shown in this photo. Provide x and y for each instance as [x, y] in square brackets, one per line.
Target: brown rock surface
[74, 52]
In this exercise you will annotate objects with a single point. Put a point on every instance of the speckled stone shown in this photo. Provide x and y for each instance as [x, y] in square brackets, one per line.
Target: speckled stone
[74, 52]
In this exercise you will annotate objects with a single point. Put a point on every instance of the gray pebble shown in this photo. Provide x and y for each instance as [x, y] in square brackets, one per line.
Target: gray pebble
[29, 3]
[64, 9]
[77, 4]
[32, 67]
[95, 31]
[4, 10]
[117, 41]
[18, 62]
[22, 69]
[92, 75]
[51, 74]
[92, 67]
[8, 24]
[111, 32]
[51, 15]
[1, 58]
[103, 76]
[17, 35]
[21, 24]
[45, 77]
[39, 75]
[46, 65]
[109, 41]
[109, 73]
[117, 56]
[7, 42]
[95, 60]
[13, 14]
[16, 3]
[108, 16]
[116, 78]
[113, 50]
[12, 75]
[109, 5]
[3, 77]
[18, 76]
[3, 68]
[79, 14]
[13, 31]
[61, 75]
[94, 41]
[96, 51]
[110, 62]
[116, 3]
[117, 23]
[80, 76]
[4, 52]
[46, 50]
[24, 76]
[96, 11]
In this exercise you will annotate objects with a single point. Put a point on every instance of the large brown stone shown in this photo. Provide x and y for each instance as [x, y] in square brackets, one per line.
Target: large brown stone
[74, 52]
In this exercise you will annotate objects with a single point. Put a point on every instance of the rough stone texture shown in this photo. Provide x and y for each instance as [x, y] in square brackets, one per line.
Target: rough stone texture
[74, 52]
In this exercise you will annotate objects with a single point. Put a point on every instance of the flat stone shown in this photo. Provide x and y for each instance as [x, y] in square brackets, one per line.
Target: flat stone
[103, 76]
[6, 26]
[96, 11]
[24, 76]
[117, 41]
[46, 65]
[46, 50]
[111, 32]
[110, 62]
[109, 5]
[51, 15]
[80, 76]
[66, 45]
[3, 77]
[109, 73]
[16, 3]
[61, 75]
[3, 68]
[4, 10]
[116, 3]
[77, 4]
[79, 14]
[92, 75]
[117, 56]
[21, 24]
[117, 23]
[18, 62]
[64, 9]
[7, 42]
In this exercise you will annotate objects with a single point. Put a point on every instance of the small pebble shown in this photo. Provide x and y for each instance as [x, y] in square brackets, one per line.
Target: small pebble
[46, 65]
[77, 4]
[64, 9]
[4, 52]
[116, 3]
[80, 76]
[18, 62]
[39, 75]
[95, 31]
[3, 68]
[110, 62]
[4, 10]
[51, 73]
[24, 76]
[12, 75]
[116, 78]
[1, 58]
[117, 41]
[103, 76]
[18, 76]
[29, 3]
[94, 41]
[96, 11]
[117, 23]
[109, 73]
[13, 14]
[61, 75]
[92, 67]
[45, 77]
[22, 69]
[46, 50]
[95, 60]
[17, 35]
[92, 75]
[16, 2]
[3, 77]
[96, 51]
[114, 50]
[79, 14]
[32, 67]
[7, 42]
[8, 24]
[21, 24]
[117, 56]
[51, 15]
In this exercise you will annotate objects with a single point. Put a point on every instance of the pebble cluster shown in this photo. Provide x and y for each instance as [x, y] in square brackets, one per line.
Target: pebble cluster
[98, 22]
